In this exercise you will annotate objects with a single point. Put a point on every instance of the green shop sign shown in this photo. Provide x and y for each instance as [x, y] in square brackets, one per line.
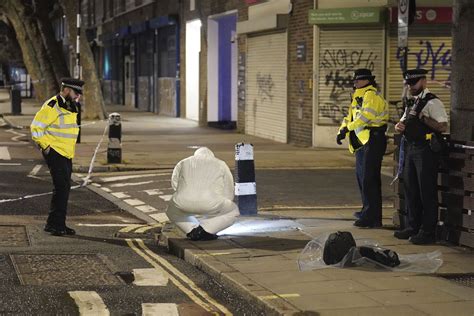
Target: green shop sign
[345, 15]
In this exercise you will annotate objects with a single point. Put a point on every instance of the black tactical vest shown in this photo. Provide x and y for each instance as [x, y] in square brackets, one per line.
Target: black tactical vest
[415, 129]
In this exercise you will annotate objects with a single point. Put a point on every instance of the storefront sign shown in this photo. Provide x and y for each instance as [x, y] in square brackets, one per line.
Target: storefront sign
[345, 15]
[427, 15]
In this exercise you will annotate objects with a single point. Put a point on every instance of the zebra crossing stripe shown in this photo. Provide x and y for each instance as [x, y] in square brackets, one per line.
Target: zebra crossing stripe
[160, 217]
[146, 208]
[89, 303]
[4, 153]
[162, 309]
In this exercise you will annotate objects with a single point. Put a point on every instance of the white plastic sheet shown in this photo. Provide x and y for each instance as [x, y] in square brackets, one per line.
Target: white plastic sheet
[311, 258]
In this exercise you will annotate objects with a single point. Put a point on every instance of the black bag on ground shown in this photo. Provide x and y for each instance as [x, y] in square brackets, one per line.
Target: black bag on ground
[384, 256]
[337, 246]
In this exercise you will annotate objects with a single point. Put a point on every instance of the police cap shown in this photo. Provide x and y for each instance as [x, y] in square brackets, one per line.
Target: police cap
[74, 84]
[412, 76]
[363, 74]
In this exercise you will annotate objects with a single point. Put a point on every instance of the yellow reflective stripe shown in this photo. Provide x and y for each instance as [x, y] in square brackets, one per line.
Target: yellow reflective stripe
[364, 119]
[372, 111]
[63, 135]
[64, 126]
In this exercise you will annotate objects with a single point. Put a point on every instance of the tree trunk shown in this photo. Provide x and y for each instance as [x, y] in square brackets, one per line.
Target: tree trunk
[29, 55]
[94, 106]
[53, 47]
[33, 33]
[462, 73]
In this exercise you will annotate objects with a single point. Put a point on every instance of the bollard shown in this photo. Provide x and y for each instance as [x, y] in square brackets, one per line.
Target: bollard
[15, 97]
[114, 149]
[245, 186]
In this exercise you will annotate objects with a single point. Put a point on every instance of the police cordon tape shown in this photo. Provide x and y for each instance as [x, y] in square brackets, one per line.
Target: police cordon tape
[86, 179]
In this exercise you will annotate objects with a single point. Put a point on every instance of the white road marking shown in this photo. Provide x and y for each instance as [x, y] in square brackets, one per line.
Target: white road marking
[166, 197]
[153, 192]
[89, 303]
[106, 189]
[162, 309]
[160, 217]
[134, 202]
[150, 277]
[4, 153]
[15, 138]
[120, 195]
[35, 170]
[10, 164]
[121, 185]
[146, 208]
[96, 185]
[135, 176]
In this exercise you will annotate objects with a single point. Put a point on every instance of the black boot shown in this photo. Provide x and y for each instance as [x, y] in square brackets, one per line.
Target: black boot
[199, 233]
[404, 234]
[423, 238]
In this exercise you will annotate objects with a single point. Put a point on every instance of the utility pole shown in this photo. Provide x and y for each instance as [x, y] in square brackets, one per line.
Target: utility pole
[77, 68]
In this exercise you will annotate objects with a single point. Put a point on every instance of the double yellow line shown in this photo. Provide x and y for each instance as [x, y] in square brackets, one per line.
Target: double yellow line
[181, 281]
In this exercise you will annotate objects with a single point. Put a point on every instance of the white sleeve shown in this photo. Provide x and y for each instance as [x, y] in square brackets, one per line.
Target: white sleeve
[435, 110]
[175, 176]
[229, 187]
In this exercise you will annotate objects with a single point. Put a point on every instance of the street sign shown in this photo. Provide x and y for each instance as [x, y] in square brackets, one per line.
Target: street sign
[403, 8]
[345, 16]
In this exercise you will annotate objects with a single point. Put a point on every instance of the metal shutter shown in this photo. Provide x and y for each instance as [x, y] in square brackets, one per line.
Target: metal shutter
[266, 107]
[341, 51]
[429, 48]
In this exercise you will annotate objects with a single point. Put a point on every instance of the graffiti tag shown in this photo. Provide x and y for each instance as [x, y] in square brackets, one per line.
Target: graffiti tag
[265, 85]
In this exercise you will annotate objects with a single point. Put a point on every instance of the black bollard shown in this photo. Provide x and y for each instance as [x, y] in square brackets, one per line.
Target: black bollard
[245, 185]
[114, 149]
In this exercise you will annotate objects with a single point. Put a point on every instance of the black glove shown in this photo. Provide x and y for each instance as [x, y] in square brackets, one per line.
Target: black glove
[341, 135]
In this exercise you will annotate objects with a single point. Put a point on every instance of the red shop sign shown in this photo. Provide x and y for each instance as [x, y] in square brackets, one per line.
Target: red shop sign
[427, 15]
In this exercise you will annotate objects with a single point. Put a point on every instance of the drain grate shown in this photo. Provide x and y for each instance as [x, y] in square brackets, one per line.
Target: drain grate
[465, 279]
[13, 236]
[63, 270]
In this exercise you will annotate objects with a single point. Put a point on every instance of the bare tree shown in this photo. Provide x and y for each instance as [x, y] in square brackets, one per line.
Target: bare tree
[462, 73]
[94, 101]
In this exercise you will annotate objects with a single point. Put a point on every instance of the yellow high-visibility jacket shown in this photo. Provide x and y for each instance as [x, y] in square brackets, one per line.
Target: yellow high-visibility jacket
[368, 109]
[55, 125]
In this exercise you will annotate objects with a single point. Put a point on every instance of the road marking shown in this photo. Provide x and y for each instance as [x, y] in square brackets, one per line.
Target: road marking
[157, 261]
[136, 176]
[162, 309]
[33, 172]
[317, 207]
[166, 197]
[121, 185]
[150, 277]
[4, 153]
[15, 138]
[106, 189]
[96, 185]
[129, 228]
[160, 217]
[146, 208]
[89, 303]
[120, 195]
[10, 164]
[104, 225]
[147, 228]
[134, 202]
[153, 192]
[274, 297]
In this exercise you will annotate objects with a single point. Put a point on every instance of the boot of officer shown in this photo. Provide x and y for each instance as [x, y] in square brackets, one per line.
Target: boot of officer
[202, 204]
[54, 129]
[426, 119]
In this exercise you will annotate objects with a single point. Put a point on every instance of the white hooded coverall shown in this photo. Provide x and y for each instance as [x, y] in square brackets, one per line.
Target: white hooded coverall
[204, 193]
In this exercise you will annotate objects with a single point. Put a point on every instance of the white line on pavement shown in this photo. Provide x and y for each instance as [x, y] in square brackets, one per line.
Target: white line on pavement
[146, 208]
[153, 192]
[160, 217]
[104, 225]
[4, 153]
[162, 309]
[106, 189]
[166, 197]
[15, 138]
[120, 195]
[10, 164]
[121, 185]
[150, 277]
[136, 176]
[35, 170]
[89, 303]
[134, 202]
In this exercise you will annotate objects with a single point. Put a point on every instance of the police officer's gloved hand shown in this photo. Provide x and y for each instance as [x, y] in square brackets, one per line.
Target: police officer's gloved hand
[341, 135]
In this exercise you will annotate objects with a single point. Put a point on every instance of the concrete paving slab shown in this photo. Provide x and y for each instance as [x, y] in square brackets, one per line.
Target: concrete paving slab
[329, 301]
[465, 308]
[374, 311]
[411, 296]
[322, 287]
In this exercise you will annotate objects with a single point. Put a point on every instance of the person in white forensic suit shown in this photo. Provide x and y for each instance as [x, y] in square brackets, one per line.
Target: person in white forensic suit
[202, 204]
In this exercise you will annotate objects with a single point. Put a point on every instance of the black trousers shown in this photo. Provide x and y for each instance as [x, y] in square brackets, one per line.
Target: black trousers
[60, 169]
[420, 178]
[373, 152]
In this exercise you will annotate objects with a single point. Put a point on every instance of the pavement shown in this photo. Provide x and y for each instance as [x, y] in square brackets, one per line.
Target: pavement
[257, 258]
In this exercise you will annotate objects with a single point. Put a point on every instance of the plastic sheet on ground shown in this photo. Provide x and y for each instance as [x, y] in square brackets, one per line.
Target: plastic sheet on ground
[311, 258]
